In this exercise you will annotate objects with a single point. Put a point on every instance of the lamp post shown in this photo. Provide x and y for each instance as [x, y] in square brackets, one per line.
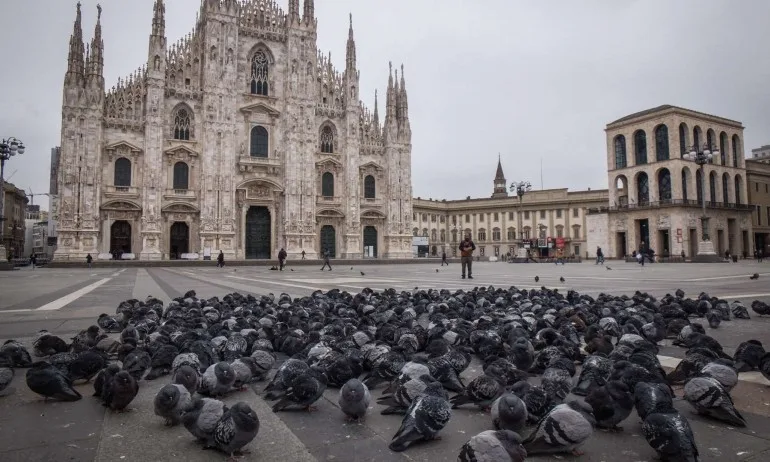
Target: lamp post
[521, 188]
[702, 156]
[8, 148]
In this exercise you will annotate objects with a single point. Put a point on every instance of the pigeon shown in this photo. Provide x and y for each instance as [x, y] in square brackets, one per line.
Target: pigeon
[264, 362]
[47, 344]
[171, 402]
[491, 445]
[748, 355]
[50, 382]
[761, 308]
[85, 339]
[481, 391]
[162, 361]
[557, 383]
[428, 414]
[362, 273]
[202, 418]
[405, 393]
[85, 366]
[764, 366]
[16, 353]
[354, 399]
[612, 404]
[218, 380]
[238, 426]
[285, 374]
[103, 377]
[137, 363]
[669, 433]
[709, 398]
[725, 375]
[118, 393]
[303, 391]
[185, 359]
[244, 372]
[561, 279]
[509, 413]
[188, 378]
[109, 323]
[537, 278]
[595, 372]
[652, 397]
[608, 268]
[535, 398]
[563, 429]
[754, 276]
[6, 377]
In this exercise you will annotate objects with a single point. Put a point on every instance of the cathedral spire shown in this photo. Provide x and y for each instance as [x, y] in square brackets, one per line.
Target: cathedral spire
[351, 50]
[159, 19]
[75, 60]
[96, 61]
[402, 97]
[376, 111]
[294, 11]
[308, 16]
[390, 100]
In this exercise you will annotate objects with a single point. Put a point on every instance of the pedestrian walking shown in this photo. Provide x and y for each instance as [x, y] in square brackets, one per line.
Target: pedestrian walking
[33, 260]
[221, 260]
[326, 261]
[559, 257]
[443, 258]
[303, 254]
[466, 255]
[760, 255]
[89, 260]
[281, 259]
[599, 255]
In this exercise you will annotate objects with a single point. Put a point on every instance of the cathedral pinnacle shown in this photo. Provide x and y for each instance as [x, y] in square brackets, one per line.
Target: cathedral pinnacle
[75, 60]
[351, 50]
[294, 11]
[308, 16]
[96, 61]
[159, 19]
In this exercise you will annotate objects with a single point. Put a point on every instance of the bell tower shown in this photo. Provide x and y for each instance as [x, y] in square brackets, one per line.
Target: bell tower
[500, 184]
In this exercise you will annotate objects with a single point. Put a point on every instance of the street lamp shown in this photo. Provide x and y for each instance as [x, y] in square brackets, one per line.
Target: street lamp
[521, 188]
[8, 148]
[702, 157]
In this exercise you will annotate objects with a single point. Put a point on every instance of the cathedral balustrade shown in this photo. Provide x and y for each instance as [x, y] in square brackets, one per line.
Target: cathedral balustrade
[123, 124]
[329, 200]
[373, 202]
[182, 91]
[328, 110]
[121, 191]
[179, 194]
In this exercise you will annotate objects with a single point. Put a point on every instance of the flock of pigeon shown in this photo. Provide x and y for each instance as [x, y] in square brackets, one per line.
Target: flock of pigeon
[416, 345]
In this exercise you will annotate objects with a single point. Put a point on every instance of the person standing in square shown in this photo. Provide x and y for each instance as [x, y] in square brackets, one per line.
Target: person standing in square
[281, 259]
[466, 255]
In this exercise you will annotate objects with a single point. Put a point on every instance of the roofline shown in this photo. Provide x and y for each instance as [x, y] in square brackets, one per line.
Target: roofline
[644, 115]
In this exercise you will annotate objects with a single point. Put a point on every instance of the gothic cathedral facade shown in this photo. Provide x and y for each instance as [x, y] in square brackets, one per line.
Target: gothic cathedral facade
[241, 137]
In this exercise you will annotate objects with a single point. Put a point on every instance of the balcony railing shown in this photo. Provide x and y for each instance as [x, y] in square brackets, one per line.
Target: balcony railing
[372, 201]
[329, 200]
[121, 191]
[670, 203]
[179, 193]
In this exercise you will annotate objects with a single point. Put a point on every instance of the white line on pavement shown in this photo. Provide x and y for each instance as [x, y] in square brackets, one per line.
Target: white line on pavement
[69, 298]
[743, 295]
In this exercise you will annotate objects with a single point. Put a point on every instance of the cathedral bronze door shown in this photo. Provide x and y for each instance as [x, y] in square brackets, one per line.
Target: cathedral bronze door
[120, 237]
[370, 241]
[180, 240]
[329, 241]
[257, 233]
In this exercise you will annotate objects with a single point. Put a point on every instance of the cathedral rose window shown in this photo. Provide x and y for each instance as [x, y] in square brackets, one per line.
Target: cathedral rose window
[259, 74]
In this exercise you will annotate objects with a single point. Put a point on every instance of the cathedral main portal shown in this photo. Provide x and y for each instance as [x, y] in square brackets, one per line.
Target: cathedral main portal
[120, 237]
[257, 237]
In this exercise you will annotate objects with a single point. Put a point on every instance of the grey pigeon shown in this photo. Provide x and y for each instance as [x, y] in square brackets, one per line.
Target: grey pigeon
[50, 382]
[85, 339]
[481, 391]
[748, 355]
[354, 399]
[137, 363]
[595, 372]
[509, 413]
[563, 429]
[709, 398]
[187, 377]
[302, 392]
[185, 359]
[264, 362]
[493, 446]
[409, 371]
[17, 353]
[400, 400]
[109, 323]
[47, 344]
[670, 435]
[202, 418]
[557, 383]
[244, 369]
[171, 402]
[286, 373]
[6, 377]
[235, 347]
[650, 398]
[764, 366]
[218, 380]
[725, 375]
[611, 403]
[103, 377]
[86, 365]
[428, 414]
[118, 393]
[238, 427]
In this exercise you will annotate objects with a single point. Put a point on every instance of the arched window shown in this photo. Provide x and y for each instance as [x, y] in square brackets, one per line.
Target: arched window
[443, 235]
[723, 147]
[181, 175]
[640, 147]
[511, 234]
[685, 179]
[559, 231]
[496, 234]
[454, 235]
[482, 235]
[415, 231]
[696, 137]
[123, 172]
[369, 187]
[737, 189]
[664, 186]
[327, 140]
[425, 232]
[711, 142]
[661, 143]
[726, 188]
[643, 189]
[526, 231]
[620, 152]
[182, 124]
[683, 149]
[259, 74]
[736, 150]
[699, 186]
[259, 142]
[713, 187]
[433, 235]
[327, 185]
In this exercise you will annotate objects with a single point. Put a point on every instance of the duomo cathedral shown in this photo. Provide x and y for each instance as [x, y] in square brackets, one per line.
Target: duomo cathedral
[240, 137]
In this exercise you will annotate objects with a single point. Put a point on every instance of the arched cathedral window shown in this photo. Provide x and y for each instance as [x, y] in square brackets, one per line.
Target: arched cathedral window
[182, 124]
[369, 187]
[181, 175]
[259, 74]
[327, 140]
[259, 142]
[122, 172]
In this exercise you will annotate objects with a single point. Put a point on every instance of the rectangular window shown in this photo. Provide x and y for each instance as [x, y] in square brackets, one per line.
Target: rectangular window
[542, 214]
[481, 217]
[433, 218]
[467, 218]
[575, 213]
[560, 232]
[756, 187]
[558, 213]
[454, 219]
[526, 215]
[497, 217]
[576, 249]
[424, 217]
[576, 232]
[443, 218]
[510, 214]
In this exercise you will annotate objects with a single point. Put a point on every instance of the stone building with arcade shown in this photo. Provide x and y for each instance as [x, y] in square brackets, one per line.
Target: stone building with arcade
[241, 136]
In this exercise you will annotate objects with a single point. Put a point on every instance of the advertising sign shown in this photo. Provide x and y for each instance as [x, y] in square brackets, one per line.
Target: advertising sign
[559, 242]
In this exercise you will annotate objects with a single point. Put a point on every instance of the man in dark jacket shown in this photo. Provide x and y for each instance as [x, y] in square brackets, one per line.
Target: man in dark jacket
[466, 255]
[281, 259]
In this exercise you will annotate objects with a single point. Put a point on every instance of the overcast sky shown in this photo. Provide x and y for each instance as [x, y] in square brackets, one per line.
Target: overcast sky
[529, 80]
